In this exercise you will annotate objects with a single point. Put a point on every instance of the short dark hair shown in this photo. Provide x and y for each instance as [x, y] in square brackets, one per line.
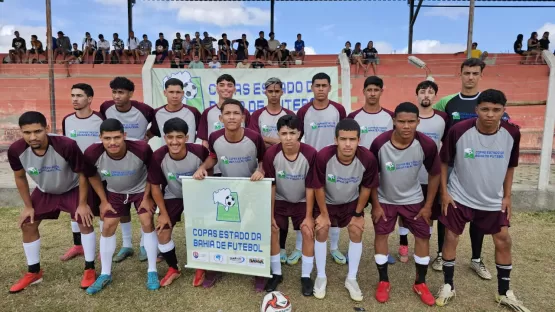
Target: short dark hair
[473, 62]
[492, 96]
[233, 102]
[111, 124]
[321, 76]
[116, 34]
[347, 124]
[373, 80]
[425, 85]
[225, 77]
[176, 124]
[289, 121]
[32, 117]
[122, 83]
[173, 82]
[85, 88]
[406, 107]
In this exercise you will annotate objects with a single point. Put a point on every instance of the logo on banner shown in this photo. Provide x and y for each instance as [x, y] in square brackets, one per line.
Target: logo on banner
[200, 256]
[256, 262]
[192, 89]
[238, 260]
[217, 258]
[227, 205]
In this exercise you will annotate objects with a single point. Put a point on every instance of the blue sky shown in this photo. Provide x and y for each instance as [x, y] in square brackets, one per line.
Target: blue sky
[324, 29]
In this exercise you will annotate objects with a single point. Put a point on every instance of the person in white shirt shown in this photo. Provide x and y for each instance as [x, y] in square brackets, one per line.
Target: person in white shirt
[119, 46]
[215, 63]
[88, 46]
[273, 49]
[132, 53]
[103, 48]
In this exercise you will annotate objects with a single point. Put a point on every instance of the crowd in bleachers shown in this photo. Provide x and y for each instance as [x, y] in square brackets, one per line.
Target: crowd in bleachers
[534, 47]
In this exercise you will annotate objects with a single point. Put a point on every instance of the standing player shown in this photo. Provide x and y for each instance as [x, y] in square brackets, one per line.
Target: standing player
[401, 154]
[123, 164]
[346, 174]
[318, 121]
[241, 151]
[82, 126]
[263, 121]
[175, 108]
[291, 164]
[177, 158]
[135, 117]
[484, 153]
[57, 166]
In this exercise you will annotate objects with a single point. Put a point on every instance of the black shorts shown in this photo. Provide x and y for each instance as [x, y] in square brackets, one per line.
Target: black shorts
[39, 51]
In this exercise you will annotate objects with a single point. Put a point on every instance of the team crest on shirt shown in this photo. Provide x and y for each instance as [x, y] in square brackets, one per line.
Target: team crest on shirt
[363, 129]
[389, 166]
[227, 205]
[281, 174]
[105, 173]
[33, 171]
[73, 134]
[313, 126]
[469, 153]
[332, 178]
[172, 176]
[218, 125]
[224, 160]
[456, 116]
[266, 128]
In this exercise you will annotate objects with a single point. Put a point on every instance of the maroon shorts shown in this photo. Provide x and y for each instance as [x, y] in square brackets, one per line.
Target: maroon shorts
[174, 207]
[419, 228]
[122, 204]
[48, 206]
[284, 210]
[487, 222]
[341, 214]
[436, 206]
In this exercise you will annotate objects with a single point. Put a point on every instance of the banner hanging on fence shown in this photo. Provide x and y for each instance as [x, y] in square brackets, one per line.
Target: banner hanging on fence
[228, 224]
[200, 85]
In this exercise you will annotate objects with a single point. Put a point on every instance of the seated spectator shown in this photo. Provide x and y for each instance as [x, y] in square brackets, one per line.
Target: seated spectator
[261, 47]
[347, 49]
[356, 57]
[299, 48]
[257, 63]
[244, 63]
[196, 63]
[76, 56]
[370, 58]
[35, 51]
[197, 45]
[177, 47]
[214, 63]
[242, 51]
[63, 46]
[534, 47]
[19, 48]
[132, 52]
[162, 47]
[475, 52]
[224, 49]
[119, 46]
[145, 46]
[517, 46]
[273, 49]
[284, 56]
[88, 46]
[544, 41]
[103, 50]
[187, 48]
[208, 46]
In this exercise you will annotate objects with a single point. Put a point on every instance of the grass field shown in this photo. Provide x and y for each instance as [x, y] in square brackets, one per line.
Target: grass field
[533, 277]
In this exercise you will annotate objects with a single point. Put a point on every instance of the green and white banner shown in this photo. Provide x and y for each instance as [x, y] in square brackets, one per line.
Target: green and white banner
[228, 224]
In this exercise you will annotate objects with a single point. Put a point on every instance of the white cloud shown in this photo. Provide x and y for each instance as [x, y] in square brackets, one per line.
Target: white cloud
[116, 3]
[6, 35]
[550, 27]
[309, 51]
[450, 13]
[383, 47]
[434, 46]
[326, 28]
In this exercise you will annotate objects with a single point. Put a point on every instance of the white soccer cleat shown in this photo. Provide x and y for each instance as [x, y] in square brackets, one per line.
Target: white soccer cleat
[480, 269]
[320, 287]
[437, 264]
[510, 301]
[444, 295]
[354, 290]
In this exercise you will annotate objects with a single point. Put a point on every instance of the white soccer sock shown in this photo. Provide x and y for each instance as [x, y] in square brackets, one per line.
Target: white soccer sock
[422, 260]
[107, 249]
[299, 240]
[275, 264]
[151, 247]
[403, 231]
[320, 255]
[142, 243]
[166, 247]
[355, 253]
[75, 227]
[89, 245]
[100, 225]
[380, 259]
[32, 252]
[334, 238]
[126, 235]
[308, 265]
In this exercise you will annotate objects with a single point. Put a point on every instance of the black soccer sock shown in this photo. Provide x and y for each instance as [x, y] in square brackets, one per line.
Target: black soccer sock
[171, 258]
[448, 271]
[34, 268]
[476, 241]
[403, 240]
[89, 265]
[503, 278]
[382, 270]
[282, 238]
[421, 271]
[77, 239]
[440, 236]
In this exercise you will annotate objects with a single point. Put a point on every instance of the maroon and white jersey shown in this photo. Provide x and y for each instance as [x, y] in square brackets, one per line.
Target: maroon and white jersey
[399, 168]
[342, 182]
[318, 125]
[480, 163]
[210, 122]
[434, 128]
[372, 124]
[292, 177]
[238, 159]
[165, 171]
[265, 123]
[189, 114]
[126, 175]
[135, 121]
[85, 131]
[55, 172]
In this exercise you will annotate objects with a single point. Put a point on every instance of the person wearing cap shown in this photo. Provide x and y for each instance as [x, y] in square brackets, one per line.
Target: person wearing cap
[64, 46]
[88, 46]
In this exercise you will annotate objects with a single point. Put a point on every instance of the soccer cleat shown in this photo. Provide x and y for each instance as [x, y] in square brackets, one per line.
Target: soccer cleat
[338, 257]
[294, 257]
[382, 292]
[211, 277]
[510, 301]
[319, 290]
[444, 295]
[123, 254]
[27, 279]
[102, 281]
[74, 251]
[480, 269]
[404, 253]
[142, 254]
[199, 278]
[437, 264]
[259, 283]
[390, 259]
[152, 281]
[307, 288]
[354, 290]
[273, 282]
[282, 256]
[424, 293]
[171, 275]
[89, 276]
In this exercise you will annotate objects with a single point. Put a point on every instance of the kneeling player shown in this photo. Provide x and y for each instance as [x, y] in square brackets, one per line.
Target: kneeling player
[290, 163]
[123, 164]
[345, 174]
[177, 158]
[401, 153]
[58, 167]
[485, 152]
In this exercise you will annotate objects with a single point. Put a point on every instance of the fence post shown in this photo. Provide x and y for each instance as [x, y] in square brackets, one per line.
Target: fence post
[549, 125]
[345, 81]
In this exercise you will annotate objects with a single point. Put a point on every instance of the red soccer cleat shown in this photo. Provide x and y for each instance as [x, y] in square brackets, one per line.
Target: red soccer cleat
[424, 293]
[172, 275]
[382, 293]
[199, 278]
[27, 279]
[89, 276]
[73, 252]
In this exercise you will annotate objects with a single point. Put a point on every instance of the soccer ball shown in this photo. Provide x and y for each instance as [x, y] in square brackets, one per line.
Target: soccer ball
[190, 90]
[229, 201]
[160, 48]
[276, 301]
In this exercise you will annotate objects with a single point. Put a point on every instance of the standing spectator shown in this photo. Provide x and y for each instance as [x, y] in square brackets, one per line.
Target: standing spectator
[224, 49]
[103, 49]
[196, 63]
[242, 51]
[19, 48]
[299, 48]
[534, 46]
[88, 46]
[133, 48]
[197, 45]
[36, 49]
[284, 56]
[177, 48]
[162, 46]
[370, 55]
[257, 64]
[274, 51]
[261, 46]
[145, 46]
[63, 46]
[208, 46]
[215, 64]
[119, 46]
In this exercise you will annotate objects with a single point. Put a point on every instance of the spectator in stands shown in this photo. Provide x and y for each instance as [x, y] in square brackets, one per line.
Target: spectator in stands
[197, 45]
[208, 46]
[299, 48]
[187, 47]
[119, 46]
[196, 63]
[224, 49]
[145, 46]
[534, 47]
[244, 63]
[162, 47]
[63, 46]
[284, 56]
[475, 52]
[274, 51]
[356, 57]
[103, 49]
[347, 49]
[370, 58]
[76, 56]
[133, 48]
[88, 46]
[214, 63]
[35, 51]
[19, 48]
[544, 41]
[257, 63]
[517, 46]
[261, 46]
[242, 51]
[177, 48]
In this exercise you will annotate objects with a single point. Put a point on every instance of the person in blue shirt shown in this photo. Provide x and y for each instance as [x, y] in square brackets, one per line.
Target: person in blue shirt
[299, 48]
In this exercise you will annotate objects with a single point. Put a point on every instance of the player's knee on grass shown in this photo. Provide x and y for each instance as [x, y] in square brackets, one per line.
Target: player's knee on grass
[502, 240]
[355, 234]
